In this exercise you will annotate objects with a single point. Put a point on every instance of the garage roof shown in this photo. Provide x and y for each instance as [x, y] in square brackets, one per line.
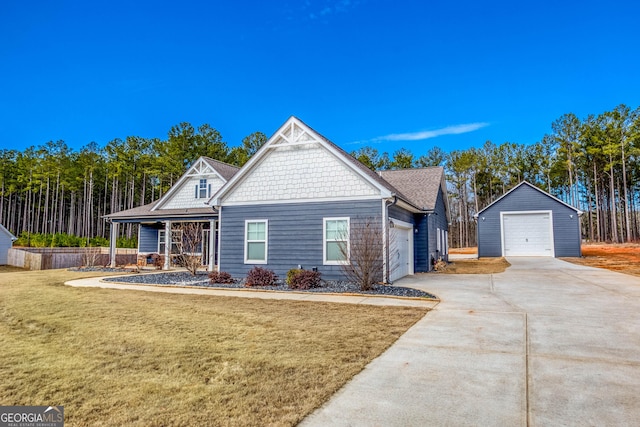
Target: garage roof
[578, 211]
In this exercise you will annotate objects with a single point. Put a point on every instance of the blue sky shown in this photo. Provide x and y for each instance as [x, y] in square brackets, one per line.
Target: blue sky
[388, 74]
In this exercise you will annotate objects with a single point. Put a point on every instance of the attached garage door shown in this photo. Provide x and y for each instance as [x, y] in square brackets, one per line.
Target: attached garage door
[400, 254]
[527, 234]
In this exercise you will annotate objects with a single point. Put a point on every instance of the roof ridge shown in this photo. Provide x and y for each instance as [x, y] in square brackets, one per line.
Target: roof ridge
[220, 161]
[408, 169]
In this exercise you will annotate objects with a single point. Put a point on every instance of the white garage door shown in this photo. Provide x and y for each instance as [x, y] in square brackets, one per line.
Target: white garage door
[527, 234]
[399, 253]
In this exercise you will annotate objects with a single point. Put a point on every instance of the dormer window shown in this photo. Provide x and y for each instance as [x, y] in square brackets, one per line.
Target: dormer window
[203, 191]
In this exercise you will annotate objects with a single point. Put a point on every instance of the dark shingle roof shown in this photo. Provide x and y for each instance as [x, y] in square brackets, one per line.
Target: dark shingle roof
[419, 186]
[225, 170]
[147, 212]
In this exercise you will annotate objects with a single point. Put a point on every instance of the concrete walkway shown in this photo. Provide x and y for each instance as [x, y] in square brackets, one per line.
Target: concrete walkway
[546, 343]
[97, 282]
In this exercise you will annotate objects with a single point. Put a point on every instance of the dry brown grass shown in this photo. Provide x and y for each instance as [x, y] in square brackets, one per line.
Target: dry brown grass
[137, 358]
[10, 269]
[464, 251]
[476, 266]
[623, 258]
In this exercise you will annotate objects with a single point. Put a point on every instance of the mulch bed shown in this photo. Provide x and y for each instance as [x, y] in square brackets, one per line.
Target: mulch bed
[202, 279]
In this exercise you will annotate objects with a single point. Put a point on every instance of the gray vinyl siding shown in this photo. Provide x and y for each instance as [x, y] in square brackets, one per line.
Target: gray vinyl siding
[438, 219]
[294, 234]
[421, 244]
[566, 233]
[148, 238]
[396, 212]
[566, 223]
[5, 245]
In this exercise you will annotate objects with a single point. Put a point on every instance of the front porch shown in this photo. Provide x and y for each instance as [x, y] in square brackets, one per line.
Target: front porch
[196, 237]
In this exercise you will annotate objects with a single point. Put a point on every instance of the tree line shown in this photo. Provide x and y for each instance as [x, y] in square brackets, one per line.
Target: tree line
[591, 163]
[52, 190]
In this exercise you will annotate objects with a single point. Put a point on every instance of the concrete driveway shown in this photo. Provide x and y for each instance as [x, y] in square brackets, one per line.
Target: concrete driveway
[546, 343]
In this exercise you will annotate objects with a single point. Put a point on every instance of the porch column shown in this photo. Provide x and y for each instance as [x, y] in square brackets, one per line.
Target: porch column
[212, 248]
[113, 238]
[168, 242]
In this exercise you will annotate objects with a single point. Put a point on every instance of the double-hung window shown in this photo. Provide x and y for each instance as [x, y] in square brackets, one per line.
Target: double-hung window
[202, 189]
[255, 241]
[335, 241]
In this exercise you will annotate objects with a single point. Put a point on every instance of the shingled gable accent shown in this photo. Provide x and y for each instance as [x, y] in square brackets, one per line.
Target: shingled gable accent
[294, 133]
[201, 167]
[578, 211]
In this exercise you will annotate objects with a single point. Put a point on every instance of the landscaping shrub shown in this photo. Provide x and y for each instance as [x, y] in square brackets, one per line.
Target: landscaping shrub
[304, 279]
[290, 275]
[34, 240]
[259, 276]
[63, 240]
[98, 241]
[221, 277]
[127, 242]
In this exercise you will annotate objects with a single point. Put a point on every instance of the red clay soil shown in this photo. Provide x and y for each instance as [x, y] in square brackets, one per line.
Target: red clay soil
[624, 258]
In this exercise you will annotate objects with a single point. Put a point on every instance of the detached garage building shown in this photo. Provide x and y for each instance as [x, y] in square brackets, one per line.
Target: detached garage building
[528, 221]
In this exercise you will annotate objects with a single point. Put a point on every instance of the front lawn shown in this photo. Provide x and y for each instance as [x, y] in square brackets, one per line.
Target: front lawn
[116, 357]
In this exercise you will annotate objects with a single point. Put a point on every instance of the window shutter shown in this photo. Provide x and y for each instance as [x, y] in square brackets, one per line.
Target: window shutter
[209, 193]
[196, 191]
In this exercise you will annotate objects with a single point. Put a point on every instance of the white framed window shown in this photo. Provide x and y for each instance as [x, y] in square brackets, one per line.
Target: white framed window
[203, 190]
[176, 241]
[335, 241]
[255, 241]
[446, 242]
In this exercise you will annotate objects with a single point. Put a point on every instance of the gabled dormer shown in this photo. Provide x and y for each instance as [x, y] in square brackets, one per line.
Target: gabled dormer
[201, 181]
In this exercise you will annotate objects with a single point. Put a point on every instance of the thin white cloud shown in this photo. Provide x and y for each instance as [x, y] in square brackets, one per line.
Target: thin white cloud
[427, 134]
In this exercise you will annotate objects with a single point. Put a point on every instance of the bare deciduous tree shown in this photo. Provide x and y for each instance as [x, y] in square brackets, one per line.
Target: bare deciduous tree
[190, 251]
[363, 252]
[90, 256]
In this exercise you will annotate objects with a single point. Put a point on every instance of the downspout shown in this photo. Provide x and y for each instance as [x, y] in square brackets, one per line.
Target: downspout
[385, 221]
